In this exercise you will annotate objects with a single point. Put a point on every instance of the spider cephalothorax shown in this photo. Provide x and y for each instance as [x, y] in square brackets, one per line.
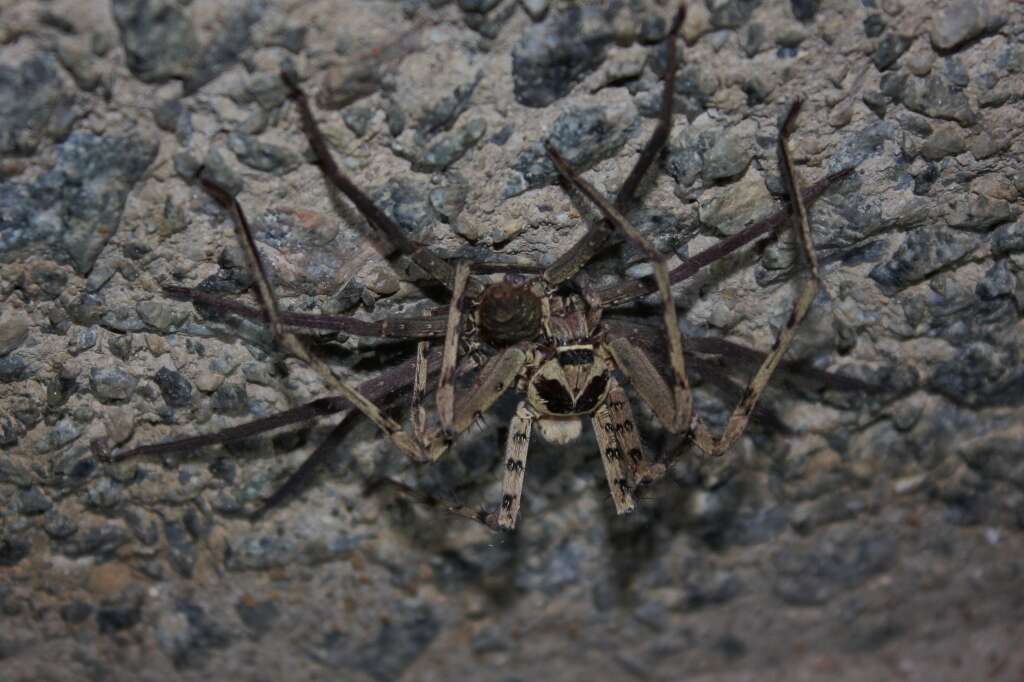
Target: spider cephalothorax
[572, 375]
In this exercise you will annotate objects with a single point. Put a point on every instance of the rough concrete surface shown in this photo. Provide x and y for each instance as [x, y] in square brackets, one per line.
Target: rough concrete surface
[850, 535]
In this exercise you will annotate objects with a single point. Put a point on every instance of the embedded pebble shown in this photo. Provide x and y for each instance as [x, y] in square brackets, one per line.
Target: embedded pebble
[33, 501]
[890, 48]
[13, 329]
[382, 281]
[583, 135]
[227, 45]
[450, 147]
[112, 383]
[230, 399]
[998, 281]
[161, 314]
[64, 432]
[923, 252]
[554, 55]
[738, 205]
[920, 63]
[119, 423]
[175, 388]
[263, 156]
[1008, 238]
[31, 92]
[727, 158]
[83, 66]
[14, 368]
[936, 97]
[158, 38]
[958, 22]
[945, 141]
[216, 170]
[978, 213]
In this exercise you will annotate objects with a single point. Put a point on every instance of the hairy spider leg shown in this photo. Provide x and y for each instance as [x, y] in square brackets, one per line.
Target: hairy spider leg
[446, 384]
[741, 414]
[625, 292]
[291, 344]
[435, 266]
[596, 237]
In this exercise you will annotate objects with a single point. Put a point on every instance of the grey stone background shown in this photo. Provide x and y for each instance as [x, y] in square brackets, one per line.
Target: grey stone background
[879, 537]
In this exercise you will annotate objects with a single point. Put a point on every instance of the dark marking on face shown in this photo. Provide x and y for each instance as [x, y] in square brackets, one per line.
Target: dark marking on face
[519, 436]
[506, 501]
[614, 453]
[575, 356]
[514, 464]
[635, 454]
[593, 393]
[556, 399]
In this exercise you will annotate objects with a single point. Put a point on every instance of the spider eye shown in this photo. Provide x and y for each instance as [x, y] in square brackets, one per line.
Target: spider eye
[508, 313]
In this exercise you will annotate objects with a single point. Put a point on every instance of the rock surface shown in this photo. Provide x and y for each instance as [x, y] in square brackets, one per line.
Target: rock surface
[865, 534]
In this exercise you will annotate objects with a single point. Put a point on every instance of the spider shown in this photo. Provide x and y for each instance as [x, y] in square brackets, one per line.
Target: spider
[535, 333]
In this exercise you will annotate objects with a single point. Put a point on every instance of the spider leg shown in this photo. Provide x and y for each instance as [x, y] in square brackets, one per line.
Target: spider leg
[580, 253]
[390, 328]
[608, 428]
[625, 428]
[495, 378]
[435, 266]
[481, 516]
[419, 390]
[735, 354]
[290, 343]
[446, 385]
[740, 416]
[297, 481]
[296, 415]
[675, 416]
[516, 447]
[380, 388]
[624, 292]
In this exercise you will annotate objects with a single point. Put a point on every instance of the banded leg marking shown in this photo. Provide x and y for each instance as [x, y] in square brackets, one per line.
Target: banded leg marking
[614, 460]
[626, 432]
[517, 445]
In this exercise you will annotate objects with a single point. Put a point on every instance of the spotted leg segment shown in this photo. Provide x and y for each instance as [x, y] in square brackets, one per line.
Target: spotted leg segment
[606, 428]
[516, 447]
[625, 429]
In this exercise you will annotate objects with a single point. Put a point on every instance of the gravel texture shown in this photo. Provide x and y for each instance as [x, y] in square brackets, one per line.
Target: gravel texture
[855, 537]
